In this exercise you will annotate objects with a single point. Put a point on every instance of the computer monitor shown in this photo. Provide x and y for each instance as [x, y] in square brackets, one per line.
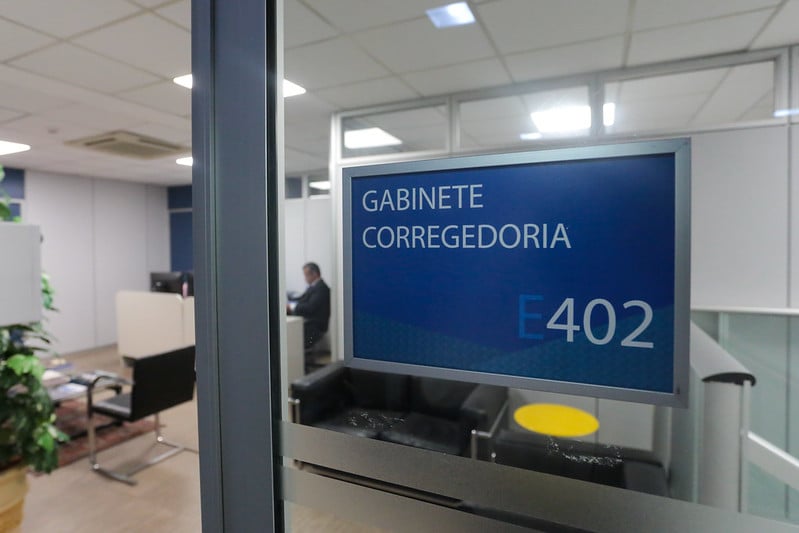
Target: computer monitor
[172, 282]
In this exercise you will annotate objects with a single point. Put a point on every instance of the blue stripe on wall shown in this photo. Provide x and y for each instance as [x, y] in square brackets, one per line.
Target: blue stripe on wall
[182, 249]
[14, 183]
[179, 197]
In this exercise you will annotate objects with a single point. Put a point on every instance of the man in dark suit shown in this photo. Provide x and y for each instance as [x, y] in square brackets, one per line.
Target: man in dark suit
[313, 305]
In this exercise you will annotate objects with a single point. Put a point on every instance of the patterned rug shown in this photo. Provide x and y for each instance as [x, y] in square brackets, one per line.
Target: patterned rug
[71, 419]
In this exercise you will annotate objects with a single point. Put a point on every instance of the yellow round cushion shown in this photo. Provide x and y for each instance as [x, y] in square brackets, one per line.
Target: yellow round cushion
[556, 420]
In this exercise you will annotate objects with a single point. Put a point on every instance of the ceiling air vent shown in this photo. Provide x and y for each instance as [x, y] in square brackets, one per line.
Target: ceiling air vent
[129, 144]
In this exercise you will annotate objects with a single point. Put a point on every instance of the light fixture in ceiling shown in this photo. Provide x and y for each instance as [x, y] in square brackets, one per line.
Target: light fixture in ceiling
[289, 87]
[184, 81]
[369, 138]
[779, 113]
[185, 161]
[531, 136]
[8, 147]
[292, 89]
[564, 119]
[320, 185]
[456, 14]
[609, 114]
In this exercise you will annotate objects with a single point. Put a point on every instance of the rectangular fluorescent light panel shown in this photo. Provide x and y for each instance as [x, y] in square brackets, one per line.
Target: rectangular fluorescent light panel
[185, 161]
[7, 147]
[562, 119]
[289, 88]
[532, 136]
[320, 185]
[609, 114]
[184, 81]
[292, 89]
[779, 113]
[369, 138]
[456, 14]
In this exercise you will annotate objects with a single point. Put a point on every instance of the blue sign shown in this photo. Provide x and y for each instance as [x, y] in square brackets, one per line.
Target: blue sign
[560, 270]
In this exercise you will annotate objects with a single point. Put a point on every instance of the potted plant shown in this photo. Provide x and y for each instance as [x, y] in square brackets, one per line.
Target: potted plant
[28, 436]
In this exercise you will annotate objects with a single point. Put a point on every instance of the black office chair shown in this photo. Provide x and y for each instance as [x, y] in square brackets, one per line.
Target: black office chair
[159, 382]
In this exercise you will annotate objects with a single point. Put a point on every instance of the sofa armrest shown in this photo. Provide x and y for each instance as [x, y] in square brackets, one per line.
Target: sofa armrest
[483, 406]
[315, 395]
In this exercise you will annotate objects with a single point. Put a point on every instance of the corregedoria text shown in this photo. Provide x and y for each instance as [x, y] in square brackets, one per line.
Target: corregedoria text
[511, 235]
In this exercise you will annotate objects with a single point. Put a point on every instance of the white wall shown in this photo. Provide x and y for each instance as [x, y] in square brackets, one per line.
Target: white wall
[740, 218]
[309, 237]
[100, 236]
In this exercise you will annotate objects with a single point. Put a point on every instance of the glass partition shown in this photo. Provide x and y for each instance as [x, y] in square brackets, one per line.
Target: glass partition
[767, 344]
[510, 120]
[692, 100]
[411, 130]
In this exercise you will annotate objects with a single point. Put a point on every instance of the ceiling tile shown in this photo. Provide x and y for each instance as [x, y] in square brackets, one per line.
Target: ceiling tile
[151, 3]
[690, 40]
[16, 40]
[519, 25]
[165, 96]
[741, 90]
[662, 88]
[657, 13]
[63, 19]
[783, 28]
[330, 63]
[43, 130]
[368, 93]
[355, 15]
[166, 133]
[179, 13]
[9, 114]
[654, 115]
[591, 56]
[303, 26]
[306, 107]
[146, 42]
[94, 117]
[308, 131]
[25, 99]
[462, 77]
[482, 110]
[71, 64]
[418, 45]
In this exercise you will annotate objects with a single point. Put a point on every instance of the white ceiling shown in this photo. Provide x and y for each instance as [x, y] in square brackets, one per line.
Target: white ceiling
[73, 68]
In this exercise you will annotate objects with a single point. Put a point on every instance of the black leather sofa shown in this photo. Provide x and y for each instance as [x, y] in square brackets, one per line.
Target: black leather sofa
[616, 466]
[435, 414]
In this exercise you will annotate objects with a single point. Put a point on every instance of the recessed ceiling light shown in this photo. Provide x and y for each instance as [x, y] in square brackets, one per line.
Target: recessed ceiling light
[289, 88]
[562, 119]
[7, 147]
[779, 113]
[184, 81]
[369, 138]
[456, 14]
[292, 89]
[320, 185]
[185, 161]
[609, 114]
[532, 136]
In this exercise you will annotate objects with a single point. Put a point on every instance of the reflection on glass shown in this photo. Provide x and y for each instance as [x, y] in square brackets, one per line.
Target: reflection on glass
[693, 100]
[318, 186]
[411, 130]
[510, 120]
